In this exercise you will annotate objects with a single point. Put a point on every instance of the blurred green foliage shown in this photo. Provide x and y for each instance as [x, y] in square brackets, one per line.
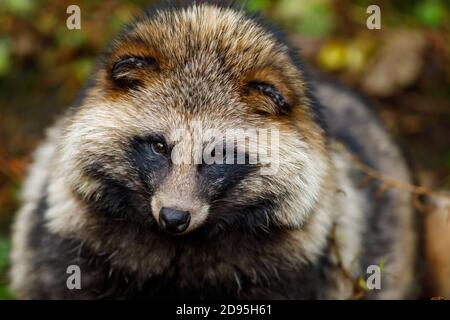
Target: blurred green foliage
[258, 5]
[310, 17]
[5, 55]
[4, 252]
[4, 263]
[18, 7]
[431, 12]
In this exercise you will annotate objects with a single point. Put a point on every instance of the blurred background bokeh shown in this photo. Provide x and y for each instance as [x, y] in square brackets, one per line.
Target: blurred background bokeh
[404, 68]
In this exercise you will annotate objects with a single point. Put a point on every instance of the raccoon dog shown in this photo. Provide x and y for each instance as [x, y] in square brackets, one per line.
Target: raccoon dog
[118, 190]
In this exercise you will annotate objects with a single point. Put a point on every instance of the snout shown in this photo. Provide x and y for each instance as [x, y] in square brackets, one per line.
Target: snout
[174, 221]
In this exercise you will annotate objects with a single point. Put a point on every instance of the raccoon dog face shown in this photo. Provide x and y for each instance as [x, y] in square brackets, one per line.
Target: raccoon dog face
[166, 97]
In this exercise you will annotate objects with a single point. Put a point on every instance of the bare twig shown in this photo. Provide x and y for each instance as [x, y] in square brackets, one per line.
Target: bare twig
[387, 182]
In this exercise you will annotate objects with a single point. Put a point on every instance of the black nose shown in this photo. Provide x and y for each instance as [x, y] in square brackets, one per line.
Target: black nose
[174, 221]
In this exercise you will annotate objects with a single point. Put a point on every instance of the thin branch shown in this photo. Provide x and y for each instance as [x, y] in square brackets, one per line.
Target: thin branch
[389, 182]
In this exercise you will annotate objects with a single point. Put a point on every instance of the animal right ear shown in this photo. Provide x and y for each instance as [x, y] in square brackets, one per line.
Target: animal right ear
[128, 71]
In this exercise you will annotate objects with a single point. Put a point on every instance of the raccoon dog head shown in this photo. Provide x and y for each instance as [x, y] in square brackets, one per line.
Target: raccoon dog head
[183, 86]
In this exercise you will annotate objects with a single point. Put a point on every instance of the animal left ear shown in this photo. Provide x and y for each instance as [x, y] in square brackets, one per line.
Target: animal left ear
[278, 103]
[128, 71]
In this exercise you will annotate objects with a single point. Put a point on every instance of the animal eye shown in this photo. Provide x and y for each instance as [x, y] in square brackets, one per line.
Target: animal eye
[272, 92]
[159, 148]
[126, 71]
